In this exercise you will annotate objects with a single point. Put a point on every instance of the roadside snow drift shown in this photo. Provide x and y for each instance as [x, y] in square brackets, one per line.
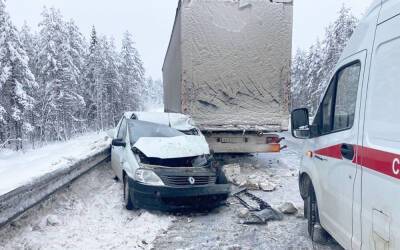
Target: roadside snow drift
[21, 168]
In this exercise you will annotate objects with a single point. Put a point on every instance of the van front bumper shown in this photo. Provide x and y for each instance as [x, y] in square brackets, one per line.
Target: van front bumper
[167, 198]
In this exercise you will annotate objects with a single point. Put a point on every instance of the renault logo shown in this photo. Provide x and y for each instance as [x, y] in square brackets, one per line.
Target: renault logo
[191, 180]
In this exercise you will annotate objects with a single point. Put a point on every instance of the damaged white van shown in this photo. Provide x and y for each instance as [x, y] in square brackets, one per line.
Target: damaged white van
[164, 163]
[350, 171]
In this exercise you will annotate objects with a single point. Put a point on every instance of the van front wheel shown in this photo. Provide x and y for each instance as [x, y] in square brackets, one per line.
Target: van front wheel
[127, 194]
[315, 230]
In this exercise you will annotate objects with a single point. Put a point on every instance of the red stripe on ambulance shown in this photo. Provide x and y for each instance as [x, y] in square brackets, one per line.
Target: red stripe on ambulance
[380, 161]
[333, 152]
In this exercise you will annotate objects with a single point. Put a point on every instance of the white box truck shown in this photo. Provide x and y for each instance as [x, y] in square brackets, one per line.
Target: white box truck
[228, 67]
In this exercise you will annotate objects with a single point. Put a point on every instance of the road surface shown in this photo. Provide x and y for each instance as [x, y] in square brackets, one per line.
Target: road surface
[89, 215]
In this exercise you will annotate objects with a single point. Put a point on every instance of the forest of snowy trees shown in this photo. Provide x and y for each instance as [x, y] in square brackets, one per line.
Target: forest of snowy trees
[312, 68]
[55, 83]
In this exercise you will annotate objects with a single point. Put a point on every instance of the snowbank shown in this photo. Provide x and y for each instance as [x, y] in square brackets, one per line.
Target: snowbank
[72, 219]
[20, 168]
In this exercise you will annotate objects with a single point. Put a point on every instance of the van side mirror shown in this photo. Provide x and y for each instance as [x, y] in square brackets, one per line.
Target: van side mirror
[300, 123]
[118, 143]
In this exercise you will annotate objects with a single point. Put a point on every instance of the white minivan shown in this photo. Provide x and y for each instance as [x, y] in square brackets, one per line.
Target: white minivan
[350, 169]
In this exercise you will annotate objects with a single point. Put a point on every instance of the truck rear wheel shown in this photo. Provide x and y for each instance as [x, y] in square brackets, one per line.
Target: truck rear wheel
[315, 230]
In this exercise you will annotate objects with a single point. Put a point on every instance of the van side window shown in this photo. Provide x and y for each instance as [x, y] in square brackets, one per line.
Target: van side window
[326, 110]
[122, 130]
[346, 97]
[337, 110]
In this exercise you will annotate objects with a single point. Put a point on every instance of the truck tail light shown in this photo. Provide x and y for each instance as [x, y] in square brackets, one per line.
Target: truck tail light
[273, 140]
[275, 148]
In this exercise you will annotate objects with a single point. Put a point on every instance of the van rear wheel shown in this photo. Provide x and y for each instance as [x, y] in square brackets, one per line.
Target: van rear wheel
[315, 230]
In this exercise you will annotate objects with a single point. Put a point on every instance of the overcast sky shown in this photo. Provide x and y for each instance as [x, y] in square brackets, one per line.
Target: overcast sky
[150, 21]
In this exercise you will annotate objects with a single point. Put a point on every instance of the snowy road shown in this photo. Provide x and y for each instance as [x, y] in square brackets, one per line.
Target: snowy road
[89, 215]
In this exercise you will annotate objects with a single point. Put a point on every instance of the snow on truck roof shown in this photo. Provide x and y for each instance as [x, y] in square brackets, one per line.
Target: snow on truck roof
[174, 120]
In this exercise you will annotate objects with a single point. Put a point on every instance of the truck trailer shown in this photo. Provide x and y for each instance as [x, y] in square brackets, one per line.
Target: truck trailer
[228, 67]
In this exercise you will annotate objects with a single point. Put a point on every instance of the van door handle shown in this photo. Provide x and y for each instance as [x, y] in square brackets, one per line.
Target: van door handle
[320, 158]
[347, 151]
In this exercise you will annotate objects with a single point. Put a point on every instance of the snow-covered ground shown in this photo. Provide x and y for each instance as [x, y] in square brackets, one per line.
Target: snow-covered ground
[87, 215]
[20, 168]
[90, 215]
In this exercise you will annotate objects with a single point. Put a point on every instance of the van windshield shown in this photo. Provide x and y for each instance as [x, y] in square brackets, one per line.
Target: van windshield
[138, 129]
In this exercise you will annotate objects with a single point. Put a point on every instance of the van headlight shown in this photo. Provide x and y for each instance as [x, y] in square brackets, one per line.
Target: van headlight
[148, 177]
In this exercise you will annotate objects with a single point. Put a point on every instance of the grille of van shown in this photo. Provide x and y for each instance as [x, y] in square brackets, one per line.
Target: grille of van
[184, 180]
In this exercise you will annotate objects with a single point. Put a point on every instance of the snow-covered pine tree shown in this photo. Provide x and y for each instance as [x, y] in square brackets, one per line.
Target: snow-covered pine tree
[29, 42]
[60, 101]
[109, 102]
[132, 73]
[90, 76]
[312, 68]
[77, 52]
[153, 94]
[16, 81]
[112, 80]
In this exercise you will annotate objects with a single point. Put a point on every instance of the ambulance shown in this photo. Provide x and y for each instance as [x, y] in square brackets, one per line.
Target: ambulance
[350, 168]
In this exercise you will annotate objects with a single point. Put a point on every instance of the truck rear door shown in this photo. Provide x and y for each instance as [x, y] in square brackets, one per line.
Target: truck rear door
[380, 151]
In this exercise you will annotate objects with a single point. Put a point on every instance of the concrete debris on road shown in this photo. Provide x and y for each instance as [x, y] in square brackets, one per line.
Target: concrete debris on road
[243, 213]
[52, 220]
[263, 216]
[233, 247]
[249, 177]
[288, 208]
[267, 186]
[258, 211]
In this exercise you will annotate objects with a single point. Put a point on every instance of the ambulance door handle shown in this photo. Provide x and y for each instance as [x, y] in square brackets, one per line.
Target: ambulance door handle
[347, 151]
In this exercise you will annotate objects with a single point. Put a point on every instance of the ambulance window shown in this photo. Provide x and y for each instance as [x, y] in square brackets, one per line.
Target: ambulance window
[337, 110]
[326, 110]
[346, 96]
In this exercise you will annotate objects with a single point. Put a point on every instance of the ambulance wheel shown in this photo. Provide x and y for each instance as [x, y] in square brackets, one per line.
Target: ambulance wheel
[315, 230]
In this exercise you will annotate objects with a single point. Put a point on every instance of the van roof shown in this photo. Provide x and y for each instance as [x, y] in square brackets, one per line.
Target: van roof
[174, 120]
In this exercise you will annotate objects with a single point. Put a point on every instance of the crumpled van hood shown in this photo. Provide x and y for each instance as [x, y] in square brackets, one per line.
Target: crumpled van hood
[172, 147]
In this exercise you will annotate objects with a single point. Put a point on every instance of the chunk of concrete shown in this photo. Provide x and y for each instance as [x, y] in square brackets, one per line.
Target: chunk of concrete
[288, 208]
[243, 213]
[52, 220]
[267, 186]
[252, 184]
[232, 172]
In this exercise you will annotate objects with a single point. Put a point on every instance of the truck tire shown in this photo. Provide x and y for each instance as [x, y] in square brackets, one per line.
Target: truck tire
[315, 230]
[127, 194]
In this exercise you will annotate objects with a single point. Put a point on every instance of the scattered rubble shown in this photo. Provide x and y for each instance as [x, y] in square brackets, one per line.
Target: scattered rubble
[263, 216]
[288, 208]
[252, 179]
[257, 211]
[52, 220]
[232, 173]
[267, 186]
[233, 247]
[243, 213]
